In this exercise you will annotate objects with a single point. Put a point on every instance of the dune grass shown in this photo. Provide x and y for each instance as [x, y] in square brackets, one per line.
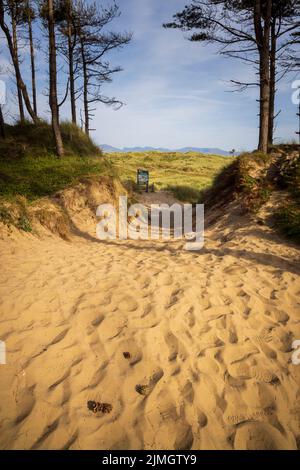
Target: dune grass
[288, 215]
[288, 221]
[30, 168]
[23, 140]
[36, 177]
[254, 188]
[186, 175]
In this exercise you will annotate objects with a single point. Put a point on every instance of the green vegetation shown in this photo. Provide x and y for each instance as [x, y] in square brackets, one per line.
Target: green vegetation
[288, 215]
[186, 175]
[185, 193]
[254, 185]
[29, 167]
[246, 178]
[36, 177]
[253, 177]
[30, 140]
[29, 170]
[288, 221]
[16, 215]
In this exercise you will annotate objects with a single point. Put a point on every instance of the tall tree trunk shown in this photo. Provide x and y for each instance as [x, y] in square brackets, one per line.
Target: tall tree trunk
[71, 72]
[16, 52]
[53, 81]
[32, 59]
[263, 44]
[85, 91]
[273, 54]
[2, 126]
[21, 85]
[264, 101]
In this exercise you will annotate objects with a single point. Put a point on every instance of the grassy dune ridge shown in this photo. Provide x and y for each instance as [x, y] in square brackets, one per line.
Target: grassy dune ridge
[256, 179]
[30, 168]
[186, 175]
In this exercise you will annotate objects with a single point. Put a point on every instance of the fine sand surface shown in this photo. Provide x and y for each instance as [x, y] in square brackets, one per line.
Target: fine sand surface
[207, 339]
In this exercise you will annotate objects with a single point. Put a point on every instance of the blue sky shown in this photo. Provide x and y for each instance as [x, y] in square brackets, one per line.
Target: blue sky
[176, 93]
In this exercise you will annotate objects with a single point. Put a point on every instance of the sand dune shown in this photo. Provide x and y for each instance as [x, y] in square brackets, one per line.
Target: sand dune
[191, 350]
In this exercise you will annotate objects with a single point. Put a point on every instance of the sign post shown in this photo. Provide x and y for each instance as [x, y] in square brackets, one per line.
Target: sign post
[143, 179]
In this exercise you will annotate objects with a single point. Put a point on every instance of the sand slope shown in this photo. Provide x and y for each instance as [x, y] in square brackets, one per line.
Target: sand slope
[208, 334]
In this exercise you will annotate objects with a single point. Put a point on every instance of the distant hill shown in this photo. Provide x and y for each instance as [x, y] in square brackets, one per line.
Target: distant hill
[212, 151]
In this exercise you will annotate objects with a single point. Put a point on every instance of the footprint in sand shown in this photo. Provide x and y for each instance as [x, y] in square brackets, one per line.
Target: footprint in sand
[112, 327]
[175, 297]
[188, 393]
[96, 345]
[167, 411]
[190, 318]
[235, 353]
[25, 402]
[233, 382]
[165, 279]
[295, 415]
[279, 316]
[175, 347]
[260, 342]
[184, 437]
[128, 304]
[228, 336]
[235, 269]
[261, 436]
[260, 395]
[239, 370]
[147, 387]
[97, 321]
[243, 371]
[95, 378]
[264, 375]
[252, 403]
[283, 339]
[147, 310]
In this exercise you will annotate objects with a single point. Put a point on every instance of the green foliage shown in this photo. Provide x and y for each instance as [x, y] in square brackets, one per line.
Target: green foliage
[185, 193]
[23, 223]
[5, 215]
[253, 182]
[29, 167]
[288, 221]
[36, 177]
[223, 186]
[249, 159]
[37, 141]
[253, 177]
[290, 175]
[16, 215]
[246, 178]
[288, 216]
[77, 142]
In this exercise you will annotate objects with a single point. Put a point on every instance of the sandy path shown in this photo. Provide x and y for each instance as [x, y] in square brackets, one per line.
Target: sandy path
[209, 336]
